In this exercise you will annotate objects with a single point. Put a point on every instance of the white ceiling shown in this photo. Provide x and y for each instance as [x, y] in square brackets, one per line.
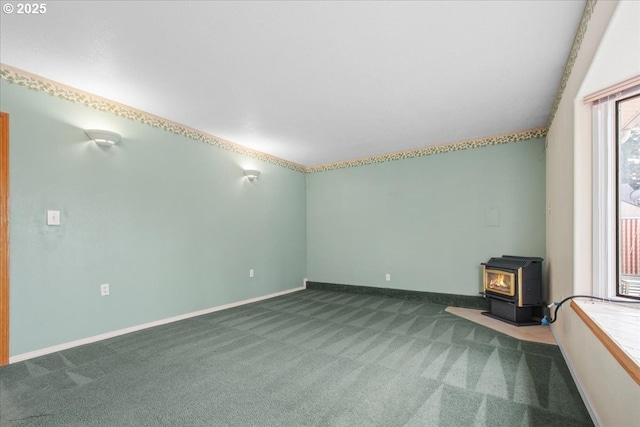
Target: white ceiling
[312, 82]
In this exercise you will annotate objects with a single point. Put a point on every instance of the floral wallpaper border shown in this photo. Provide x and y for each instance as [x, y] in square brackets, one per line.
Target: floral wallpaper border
[31, 81]
[438, 149]
[571, 60]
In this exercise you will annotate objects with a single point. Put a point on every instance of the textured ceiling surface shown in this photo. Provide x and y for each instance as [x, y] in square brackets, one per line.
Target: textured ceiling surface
[312, 82]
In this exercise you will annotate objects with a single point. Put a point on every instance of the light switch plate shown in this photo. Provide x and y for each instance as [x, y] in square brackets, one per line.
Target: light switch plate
[53, 217]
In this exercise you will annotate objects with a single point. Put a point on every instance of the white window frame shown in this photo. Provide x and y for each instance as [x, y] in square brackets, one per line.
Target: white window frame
[605, 144]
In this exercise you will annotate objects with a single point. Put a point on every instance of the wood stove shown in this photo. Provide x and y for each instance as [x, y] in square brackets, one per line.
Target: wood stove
[513, 285]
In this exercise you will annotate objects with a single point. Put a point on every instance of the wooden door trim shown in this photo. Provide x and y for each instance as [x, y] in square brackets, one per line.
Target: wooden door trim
[4, 238]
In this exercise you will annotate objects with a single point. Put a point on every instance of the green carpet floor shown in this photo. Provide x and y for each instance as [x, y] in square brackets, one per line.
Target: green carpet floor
[310, 358]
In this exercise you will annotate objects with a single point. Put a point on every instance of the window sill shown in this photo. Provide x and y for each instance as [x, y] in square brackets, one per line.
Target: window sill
[617, 326]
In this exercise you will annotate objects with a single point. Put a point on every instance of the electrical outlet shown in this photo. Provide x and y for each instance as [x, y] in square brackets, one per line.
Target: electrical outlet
[251, 274]
[387, 277]
[104, 289]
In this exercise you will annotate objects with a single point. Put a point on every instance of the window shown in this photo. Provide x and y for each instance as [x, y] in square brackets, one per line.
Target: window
[616, 223]
[628, 196]
[616, 201]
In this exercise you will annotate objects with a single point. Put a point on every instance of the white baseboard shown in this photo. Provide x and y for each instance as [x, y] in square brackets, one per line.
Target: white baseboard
[89, 340]
[585, 398]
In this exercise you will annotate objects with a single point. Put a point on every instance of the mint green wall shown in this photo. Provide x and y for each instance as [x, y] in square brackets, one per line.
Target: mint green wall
[173, 227]
[428, 221]
[168, 222]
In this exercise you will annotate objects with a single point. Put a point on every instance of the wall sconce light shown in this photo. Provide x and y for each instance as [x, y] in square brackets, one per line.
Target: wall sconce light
[252, 174]
[104, 138]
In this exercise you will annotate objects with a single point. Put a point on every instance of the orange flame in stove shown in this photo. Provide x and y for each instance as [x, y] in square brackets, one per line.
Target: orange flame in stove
[497, 281]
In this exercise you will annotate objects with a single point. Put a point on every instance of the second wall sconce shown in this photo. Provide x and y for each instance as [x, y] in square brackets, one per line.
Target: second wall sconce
[104, 138]
[252, 174]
